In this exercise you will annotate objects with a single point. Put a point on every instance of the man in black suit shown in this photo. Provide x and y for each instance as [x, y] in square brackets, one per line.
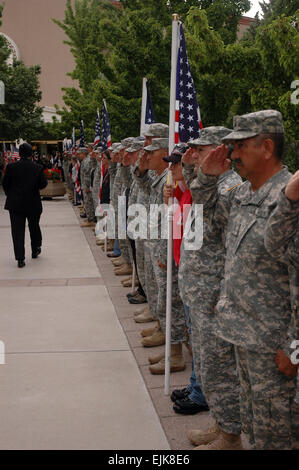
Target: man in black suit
[21, 183]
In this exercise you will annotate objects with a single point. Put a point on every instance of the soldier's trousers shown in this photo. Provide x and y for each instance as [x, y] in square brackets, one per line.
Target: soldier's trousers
[178, 333]
[151, 288]
[216, 371]
[269, 415]
[125, 250]
[88, 206]
[139, 244]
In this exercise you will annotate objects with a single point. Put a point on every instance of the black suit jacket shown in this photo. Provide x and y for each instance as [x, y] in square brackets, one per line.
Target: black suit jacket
[21, 183]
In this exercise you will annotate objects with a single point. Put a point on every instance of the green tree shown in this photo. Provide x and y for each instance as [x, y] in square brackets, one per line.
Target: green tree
[19, 116]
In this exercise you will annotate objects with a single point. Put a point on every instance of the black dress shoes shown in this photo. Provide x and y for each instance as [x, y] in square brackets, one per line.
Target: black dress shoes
[188, 407]
[179, 394]
[36, 253]
[21, 263]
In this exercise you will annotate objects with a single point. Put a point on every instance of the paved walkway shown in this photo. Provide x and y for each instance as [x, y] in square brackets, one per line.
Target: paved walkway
[70, 380]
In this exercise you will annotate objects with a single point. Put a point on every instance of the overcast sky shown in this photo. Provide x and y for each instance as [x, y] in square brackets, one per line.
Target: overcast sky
[255, 8]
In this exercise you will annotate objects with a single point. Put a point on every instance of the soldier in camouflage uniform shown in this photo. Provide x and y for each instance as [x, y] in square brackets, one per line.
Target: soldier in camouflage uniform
[96, 177]
[253, 312]
[143, 250]
[129, 160]
[282, 242]
[112, 172]
[200, 273]
[158, 246]
[86, 188]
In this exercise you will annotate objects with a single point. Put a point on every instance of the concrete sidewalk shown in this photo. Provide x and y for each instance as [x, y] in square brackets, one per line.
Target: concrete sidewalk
[70, 380]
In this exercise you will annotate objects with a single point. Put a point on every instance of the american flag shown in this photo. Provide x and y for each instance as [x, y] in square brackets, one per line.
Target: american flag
[187, 116]
[5, 155]
[77, 183]
[74, 150]
[97, 134]
[15, 155]
[149, 110]
[106, 133]
[82, 136]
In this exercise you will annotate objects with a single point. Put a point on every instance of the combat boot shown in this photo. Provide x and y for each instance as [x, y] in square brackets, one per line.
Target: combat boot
[223, 441]
[100, 241]
[200, 437]
[137, 299]
[155, 358]
[143, 310]
[157, 339]
[177, 362]
[145, 317]
[150, 331]
[128, 283]
[124, 270]
[86, 223]
[127, 279]
[118, 261]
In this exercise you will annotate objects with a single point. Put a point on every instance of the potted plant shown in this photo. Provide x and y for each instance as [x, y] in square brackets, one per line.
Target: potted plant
[55, 185]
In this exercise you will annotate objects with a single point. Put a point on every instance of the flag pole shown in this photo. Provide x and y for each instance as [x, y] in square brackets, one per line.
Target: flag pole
[143, 106]
[174, 56]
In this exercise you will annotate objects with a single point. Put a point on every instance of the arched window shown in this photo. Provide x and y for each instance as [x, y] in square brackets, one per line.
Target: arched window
[14, 50]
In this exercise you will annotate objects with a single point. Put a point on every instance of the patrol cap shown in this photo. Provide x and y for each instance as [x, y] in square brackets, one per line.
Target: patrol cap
[210, 136]
[177, 153]
[157, 144]
[114, 146]
[136, 146]
[83, 150]
[157, 129]
[125, 143]
[253, 124]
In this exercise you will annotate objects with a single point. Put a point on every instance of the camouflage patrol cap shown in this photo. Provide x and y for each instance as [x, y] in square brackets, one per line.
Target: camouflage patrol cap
[157, 129]
[83, 150]
[136, 146]
[210, 136]
[115, 146]
[253, 124]
[157, 144]
[125, 143]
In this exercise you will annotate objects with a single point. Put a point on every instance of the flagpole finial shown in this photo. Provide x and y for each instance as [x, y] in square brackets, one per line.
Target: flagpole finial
[175, 17]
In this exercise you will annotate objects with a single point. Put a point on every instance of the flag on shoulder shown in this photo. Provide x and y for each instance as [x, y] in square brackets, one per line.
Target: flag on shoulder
[187, 113]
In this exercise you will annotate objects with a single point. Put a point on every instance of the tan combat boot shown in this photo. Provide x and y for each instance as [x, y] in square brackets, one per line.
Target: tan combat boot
[143, 310]
[123, 270]
[155, 358]
[150, 331]
[145, 317]
[128, 283]
[118, 261]
[223, 441]
[127, 279]
[199, 437]
[87, 224]
[100, 241]
[177, 362]
[157, 339]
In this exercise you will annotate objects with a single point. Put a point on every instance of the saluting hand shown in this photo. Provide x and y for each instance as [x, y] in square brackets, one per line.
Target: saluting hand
[292, 189]
[188, 157]
[216, 162]
[143, 162]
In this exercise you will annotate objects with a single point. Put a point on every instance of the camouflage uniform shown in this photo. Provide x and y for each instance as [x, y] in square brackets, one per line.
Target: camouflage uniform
[200, 274]
[96, 185]
[157, 248]
[254, 307]
[85, 182]
[284, 244]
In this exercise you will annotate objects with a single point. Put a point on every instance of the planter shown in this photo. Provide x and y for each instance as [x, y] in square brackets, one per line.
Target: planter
[53, 189]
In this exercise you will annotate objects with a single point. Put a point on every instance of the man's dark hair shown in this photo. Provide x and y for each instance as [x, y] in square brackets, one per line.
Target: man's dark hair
[279, 144]
[25, 150]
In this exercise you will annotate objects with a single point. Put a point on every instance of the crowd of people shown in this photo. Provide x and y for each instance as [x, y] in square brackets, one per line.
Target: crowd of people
[235, 295]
